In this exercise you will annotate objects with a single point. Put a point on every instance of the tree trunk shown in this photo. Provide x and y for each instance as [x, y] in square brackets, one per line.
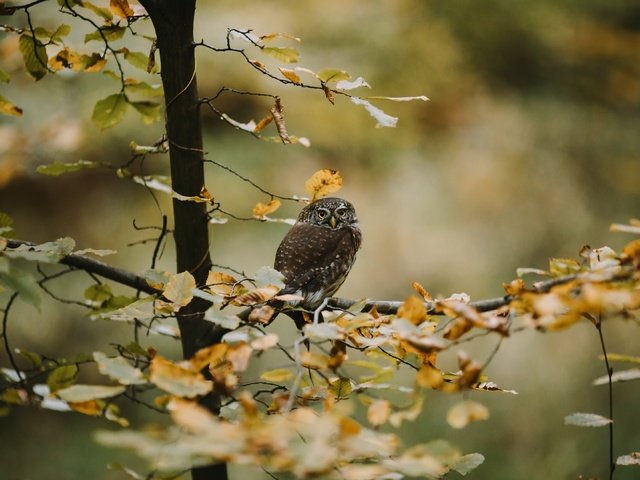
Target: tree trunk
[173, 23]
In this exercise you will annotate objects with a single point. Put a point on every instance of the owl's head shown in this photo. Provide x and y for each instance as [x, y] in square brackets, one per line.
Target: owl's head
[330, 212]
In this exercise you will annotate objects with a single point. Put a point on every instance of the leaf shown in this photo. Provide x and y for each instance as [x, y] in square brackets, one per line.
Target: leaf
[313, 360]
[322, 331]
[261, 210]
[467, 463]
[277, 375]
[616, 357]
[22, 282]
[85, 393]
[110, 110]
[258, 295]
[413, 309]
[230, 322]
[382, 119]
[378, 412]
[62, 377]
[110, 33]
[269, 276]
[350, 85]
[119, 369]
[34, 56]
[179, 288]
[621, 376]
[290, 75]
[586, 420]
[100, 11]
[563, 266]
[247, 127]
[340, 387]
[400, 99]
[143, 88]
[96, 252]
[284, 54]
[4, 77]
[57, 168]
[48, 252]
[462, 413]
[322, 183]
[332, 75]
[632, 459]
[177, 380]
[151, 111]
[121, 8]
[8, 108]
[139, 60]
[6, 223]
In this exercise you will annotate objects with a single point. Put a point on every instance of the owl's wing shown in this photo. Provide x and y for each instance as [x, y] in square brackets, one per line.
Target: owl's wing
[309, 256]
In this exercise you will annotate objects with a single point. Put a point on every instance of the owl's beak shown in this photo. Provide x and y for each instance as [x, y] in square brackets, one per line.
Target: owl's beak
[333, 221]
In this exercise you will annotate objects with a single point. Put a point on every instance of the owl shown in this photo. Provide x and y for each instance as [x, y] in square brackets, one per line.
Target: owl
[316, 255]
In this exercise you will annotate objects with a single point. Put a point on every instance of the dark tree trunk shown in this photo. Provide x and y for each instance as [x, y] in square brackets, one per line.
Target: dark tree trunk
[173, 23]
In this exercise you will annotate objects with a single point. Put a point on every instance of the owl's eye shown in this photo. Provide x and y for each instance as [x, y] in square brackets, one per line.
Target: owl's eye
[321, 214]
[341, 212]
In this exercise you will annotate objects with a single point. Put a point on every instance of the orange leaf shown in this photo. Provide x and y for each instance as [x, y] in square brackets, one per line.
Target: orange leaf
[261, 210]
[413, 309]
[322, 183]
[121, 8]
[290, 75]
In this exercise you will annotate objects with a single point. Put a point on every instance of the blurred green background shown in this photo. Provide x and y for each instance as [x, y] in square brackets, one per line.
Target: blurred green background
[528, 149]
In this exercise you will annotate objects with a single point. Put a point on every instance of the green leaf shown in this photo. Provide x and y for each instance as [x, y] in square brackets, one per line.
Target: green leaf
[119, 369]
[23, 283]
[616, 357]
[34, 358]
[6, 223]
[84, 393]
[136, 349]
[62, 31]
[284, 54]
[143, 88]
[151, 112]
[110, 111]
[278, 375]
[58, 168]
[332, 75]
[62, 377]
[586, 420]
[4, 77]
[34, 56]
[8, 108]
[563, 266]
[97, 294]
[340, 387]
[104, 13]
[110, 34]
[139, 60]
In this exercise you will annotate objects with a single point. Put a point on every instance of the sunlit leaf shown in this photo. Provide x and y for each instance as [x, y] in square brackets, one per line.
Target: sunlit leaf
[179, 289]
[34, 56]
[382, 119]
[313, 360]
[290, 75]
[258, 295]
[247, 127]
[586, 420]
[62, 377]
[632, 459]
[322, 183]
[143, 88]
[119, 369]
[57, 168]
[227, 321]
[465, 412]
[8, 108]
[273, 36]
[277, 375]
[563, 266]
[121, 8]
[110, 33]
[283, 54]
[110, 110]
[350, 85]
[620, 376]
[96, 252]
[399, 99]
[467, 463]
[616, 357]
[341, 387]
[413, 309]
[85, 393]
[265, 342]
[177, 380]
[378, 412]
[261, 209]
[332, 75]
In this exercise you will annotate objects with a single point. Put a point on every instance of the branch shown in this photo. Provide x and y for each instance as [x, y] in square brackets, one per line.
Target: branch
[91, 265]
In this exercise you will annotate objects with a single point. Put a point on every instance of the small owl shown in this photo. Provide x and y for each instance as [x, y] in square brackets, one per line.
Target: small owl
[316, 255]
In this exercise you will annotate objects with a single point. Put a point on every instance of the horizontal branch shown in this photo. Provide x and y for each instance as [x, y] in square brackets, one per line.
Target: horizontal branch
[88, 264]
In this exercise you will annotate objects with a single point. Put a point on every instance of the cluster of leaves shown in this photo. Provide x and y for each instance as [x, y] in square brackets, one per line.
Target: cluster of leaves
[49, 52]
[301, 416]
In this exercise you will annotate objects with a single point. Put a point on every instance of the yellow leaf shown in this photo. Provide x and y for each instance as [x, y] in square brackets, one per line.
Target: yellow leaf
[179, 289]
[121, 8]
[378, 412]
[322, 183]
[315, 361]
[277, 375]
[261, 210]
[178, 380]
[212, 355]
[90, 407]
[223, 284]
[290, 75]
[259, 295]
[429, 377]
[340, 387]
[422, 291]
[461, 414]
[239, 356]
[413, 309]
[8, 108]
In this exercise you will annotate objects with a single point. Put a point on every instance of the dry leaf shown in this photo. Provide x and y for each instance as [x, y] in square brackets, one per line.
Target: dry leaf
[261, 209]
[378, 412]
[259, 295]
[322, 183]
[413, 309]
[461, 414]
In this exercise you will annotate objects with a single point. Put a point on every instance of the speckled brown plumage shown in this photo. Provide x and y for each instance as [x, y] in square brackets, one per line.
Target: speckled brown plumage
[317, 253]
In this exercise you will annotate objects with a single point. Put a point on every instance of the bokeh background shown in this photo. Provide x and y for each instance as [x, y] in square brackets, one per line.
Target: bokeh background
[528, 149]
